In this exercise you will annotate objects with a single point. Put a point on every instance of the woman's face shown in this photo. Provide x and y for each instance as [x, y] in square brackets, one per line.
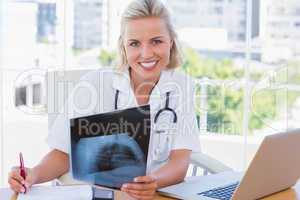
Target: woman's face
[147, 44]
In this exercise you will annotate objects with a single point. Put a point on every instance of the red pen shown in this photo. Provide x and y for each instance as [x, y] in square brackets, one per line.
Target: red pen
[22, 169]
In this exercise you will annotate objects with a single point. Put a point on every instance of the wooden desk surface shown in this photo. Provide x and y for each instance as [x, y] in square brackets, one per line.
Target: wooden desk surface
[291, 194]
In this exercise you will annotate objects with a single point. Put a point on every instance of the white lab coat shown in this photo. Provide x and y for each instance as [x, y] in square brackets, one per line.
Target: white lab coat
[95, 93]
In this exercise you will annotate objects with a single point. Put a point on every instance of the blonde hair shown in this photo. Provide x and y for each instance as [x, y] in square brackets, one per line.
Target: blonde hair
[148, 8]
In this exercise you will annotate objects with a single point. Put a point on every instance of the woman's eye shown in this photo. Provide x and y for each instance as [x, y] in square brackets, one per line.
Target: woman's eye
[134, 44]
[157, 41]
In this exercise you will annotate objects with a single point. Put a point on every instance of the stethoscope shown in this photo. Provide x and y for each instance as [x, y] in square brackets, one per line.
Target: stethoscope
[158, 151]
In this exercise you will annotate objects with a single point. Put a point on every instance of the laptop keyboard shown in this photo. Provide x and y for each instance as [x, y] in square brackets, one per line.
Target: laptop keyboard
[222, 193]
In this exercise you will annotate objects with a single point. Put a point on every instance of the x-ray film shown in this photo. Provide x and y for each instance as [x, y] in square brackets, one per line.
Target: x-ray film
[110, 149]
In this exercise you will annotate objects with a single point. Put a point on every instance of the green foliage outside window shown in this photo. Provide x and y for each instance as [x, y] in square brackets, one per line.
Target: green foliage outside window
[107, 58]
[225, 101]
[225, 104]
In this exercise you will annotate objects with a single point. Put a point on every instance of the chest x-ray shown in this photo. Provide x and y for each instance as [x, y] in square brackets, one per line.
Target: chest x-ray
[110, 149]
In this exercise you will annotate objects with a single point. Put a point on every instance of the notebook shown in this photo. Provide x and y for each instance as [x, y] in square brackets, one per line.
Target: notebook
[110, 149]
[76, 192]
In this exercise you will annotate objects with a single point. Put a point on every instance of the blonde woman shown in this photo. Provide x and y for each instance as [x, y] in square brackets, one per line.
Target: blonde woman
[149, 54]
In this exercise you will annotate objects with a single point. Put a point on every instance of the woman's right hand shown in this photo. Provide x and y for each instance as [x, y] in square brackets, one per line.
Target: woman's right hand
[17, 182]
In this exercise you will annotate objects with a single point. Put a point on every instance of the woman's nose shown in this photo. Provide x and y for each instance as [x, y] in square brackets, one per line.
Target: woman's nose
[146, 51]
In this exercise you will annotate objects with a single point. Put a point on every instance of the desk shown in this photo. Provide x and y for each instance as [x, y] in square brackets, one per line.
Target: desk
[291, 194]
[7, 194]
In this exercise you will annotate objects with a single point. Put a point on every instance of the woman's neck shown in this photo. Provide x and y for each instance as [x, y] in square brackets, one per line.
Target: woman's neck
[142, 88]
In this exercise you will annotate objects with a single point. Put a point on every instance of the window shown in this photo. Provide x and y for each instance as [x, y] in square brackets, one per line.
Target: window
[37, 94]
[243, 23]
[21, 96]
[297, 11]
[216, 10]
[241, 36]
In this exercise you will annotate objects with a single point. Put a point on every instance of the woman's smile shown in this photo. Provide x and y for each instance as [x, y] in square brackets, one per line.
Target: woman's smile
[149, 65]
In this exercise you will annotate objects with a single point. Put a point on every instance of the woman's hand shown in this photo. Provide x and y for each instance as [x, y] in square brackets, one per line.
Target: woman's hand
[143, 188]
[17, 182]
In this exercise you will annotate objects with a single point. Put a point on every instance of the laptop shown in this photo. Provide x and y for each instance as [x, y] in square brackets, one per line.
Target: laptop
[275, 167]
[110, 149]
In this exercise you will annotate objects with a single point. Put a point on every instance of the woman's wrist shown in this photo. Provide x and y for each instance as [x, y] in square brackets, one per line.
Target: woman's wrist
[35, 173]
[155, 177]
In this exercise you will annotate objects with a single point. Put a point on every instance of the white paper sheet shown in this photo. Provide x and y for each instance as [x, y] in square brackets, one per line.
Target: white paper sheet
[78, 192]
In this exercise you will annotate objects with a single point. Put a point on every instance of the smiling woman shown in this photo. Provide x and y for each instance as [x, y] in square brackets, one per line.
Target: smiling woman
[148, 51]
[147, 43]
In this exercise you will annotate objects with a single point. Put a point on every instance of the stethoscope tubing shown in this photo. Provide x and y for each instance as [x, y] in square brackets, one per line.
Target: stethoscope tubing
[159, 112]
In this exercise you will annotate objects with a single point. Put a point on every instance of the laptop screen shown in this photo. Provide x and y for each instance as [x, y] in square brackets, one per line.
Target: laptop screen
[110, 149]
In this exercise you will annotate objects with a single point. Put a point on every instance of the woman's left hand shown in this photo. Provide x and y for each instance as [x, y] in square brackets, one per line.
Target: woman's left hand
[144, 187]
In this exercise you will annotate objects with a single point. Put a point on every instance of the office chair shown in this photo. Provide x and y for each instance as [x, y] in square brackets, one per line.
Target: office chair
[208, 164]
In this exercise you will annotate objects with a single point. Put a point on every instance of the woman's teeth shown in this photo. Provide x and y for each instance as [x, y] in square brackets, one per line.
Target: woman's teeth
[148, 64]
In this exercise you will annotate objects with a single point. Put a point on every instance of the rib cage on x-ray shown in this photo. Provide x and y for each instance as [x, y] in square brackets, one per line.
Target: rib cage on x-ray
[117, 153]
[107, 158]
